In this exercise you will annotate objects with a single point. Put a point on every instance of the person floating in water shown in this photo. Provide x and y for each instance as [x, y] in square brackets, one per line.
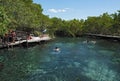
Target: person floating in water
[56, 49]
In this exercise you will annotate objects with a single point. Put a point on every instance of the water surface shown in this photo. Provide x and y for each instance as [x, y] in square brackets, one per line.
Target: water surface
[78, 60]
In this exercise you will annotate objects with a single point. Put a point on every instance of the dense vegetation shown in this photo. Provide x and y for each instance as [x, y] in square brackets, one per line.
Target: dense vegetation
[26, 15]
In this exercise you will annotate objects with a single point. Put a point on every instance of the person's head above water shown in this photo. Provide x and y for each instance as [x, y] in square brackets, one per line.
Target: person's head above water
[57, 49]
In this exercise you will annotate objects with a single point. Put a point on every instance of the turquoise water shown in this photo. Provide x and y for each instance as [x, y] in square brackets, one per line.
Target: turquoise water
[76, 61]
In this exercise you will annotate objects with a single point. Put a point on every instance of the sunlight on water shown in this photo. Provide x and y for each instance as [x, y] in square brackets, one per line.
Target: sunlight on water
[100, 72]
[77, 64]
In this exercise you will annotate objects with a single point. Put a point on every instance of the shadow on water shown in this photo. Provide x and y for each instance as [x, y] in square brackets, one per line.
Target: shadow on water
[77, 60]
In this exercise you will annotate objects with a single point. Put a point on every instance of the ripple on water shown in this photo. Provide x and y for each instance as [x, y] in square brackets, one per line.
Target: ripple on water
[100, 72]
[77, 61]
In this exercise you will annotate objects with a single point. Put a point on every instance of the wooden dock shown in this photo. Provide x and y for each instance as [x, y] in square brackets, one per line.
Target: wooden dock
[33, 40]
[104, 36]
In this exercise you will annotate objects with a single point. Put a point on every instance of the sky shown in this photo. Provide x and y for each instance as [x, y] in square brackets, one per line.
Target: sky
[78, 9]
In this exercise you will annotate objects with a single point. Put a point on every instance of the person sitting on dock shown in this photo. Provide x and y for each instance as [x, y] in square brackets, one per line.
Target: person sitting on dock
[29, 37]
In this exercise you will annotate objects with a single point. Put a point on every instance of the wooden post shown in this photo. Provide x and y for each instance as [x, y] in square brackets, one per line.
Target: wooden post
[27, 43]
[12, 46]
[39, 42]
[19, 42]
[7, 46]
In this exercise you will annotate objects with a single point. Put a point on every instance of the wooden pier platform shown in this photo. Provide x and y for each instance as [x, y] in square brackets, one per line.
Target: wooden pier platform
[33, 40]
[104, 36]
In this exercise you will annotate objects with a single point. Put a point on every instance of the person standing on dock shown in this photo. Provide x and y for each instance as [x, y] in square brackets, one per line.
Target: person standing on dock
[5, 39]
[13, 34]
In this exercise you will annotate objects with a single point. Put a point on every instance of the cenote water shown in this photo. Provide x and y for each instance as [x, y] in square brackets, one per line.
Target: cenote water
[77, 60]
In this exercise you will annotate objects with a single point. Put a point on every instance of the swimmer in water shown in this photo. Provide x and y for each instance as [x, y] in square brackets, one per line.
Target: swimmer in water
[56, 49]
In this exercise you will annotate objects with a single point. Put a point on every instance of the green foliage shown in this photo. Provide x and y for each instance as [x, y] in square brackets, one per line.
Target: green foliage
[103, 24]
[37, 33]
[4, 21]
[55, 25]
[99, 25]
[28, 16]
[116, 23]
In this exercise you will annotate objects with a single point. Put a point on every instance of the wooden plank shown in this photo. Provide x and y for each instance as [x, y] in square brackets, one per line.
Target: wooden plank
[34, 39]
